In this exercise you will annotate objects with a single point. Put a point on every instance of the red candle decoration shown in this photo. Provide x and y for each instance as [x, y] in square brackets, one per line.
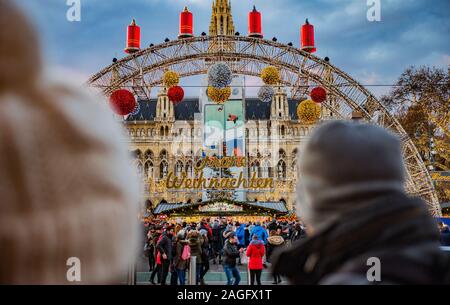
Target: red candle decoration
[318, 94]
[307, 37]
[186, 24]
[175, 94]
[254, 24]
[122, 102]
[133, 38]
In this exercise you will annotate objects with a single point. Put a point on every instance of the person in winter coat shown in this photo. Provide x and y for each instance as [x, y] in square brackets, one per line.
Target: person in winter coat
[179, 263]
[247, 235]
[231, 253]
[65, 177]
[205, 255]
[240, 234]
[164, 247]
[195, 243]
[352, 196]
[217, 240]
[259, 231]
[298, 233]
[255, 254]
[274, 242]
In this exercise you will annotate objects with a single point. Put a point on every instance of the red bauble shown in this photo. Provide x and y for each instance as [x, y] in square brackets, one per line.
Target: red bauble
[122, 102]
[175, 94]
[318, 94]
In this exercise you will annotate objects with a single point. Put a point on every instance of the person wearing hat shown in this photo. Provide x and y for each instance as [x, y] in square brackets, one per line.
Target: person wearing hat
[351, 194]
[231, 254]
[164, 247]
[68, 192]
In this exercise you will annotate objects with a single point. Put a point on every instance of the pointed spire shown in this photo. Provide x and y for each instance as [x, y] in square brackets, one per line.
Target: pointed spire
[133, 22]
[307, 21]
[186, 9]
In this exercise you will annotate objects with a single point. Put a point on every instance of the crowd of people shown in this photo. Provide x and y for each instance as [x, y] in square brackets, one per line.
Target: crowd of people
[169, 248]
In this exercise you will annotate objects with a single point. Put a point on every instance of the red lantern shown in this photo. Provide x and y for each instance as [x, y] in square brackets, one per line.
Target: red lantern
[318, 94]
[254, 24]
[307, 37]
[186, 24]
[122, 102]
[175, 94]
[133, 38]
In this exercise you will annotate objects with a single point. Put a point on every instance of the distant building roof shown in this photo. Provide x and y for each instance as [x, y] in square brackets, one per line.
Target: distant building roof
[255, 109]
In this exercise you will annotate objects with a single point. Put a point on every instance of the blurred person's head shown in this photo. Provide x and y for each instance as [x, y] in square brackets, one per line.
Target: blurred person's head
[343, 161]
[65, 179]
[20, 56]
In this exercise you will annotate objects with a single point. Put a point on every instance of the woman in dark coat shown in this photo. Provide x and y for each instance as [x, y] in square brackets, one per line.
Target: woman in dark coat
[274, 242]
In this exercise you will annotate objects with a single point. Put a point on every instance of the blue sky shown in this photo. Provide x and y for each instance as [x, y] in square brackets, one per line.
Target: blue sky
[411, 32]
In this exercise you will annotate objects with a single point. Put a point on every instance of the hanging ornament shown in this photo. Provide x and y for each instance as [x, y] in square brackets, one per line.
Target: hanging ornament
[219, 96]
[136, 110]
[175, 94]
[219, 75]
[122, 102]
[270, 75]
[171, 78]
[308, 112]
[266, 93]
[318, 94]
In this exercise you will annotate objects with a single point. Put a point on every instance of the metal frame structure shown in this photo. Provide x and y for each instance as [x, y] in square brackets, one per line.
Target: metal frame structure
[247, 56]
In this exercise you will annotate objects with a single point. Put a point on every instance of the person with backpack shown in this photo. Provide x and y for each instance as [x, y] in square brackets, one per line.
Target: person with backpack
[255, 253]
[181, 258]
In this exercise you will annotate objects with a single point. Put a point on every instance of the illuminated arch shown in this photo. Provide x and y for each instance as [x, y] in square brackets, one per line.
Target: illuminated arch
[247, 56]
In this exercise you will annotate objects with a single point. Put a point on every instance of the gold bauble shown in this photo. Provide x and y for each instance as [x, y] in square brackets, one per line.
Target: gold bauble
[270, 75]
[171, 79]
[218, 95]
[308, 112]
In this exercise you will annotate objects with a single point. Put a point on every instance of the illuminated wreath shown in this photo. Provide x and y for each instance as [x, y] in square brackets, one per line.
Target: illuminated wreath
[171, 78]
[219, 75]
[122, 102]
[270, 75]
[318, 94]
[219, 96]
[308, 112]
[266, 93]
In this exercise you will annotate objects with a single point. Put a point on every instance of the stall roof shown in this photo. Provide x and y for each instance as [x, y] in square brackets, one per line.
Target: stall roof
[278, 206]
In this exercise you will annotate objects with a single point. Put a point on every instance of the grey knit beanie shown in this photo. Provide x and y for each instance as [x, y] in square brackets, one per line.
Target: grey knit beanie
[344, 160]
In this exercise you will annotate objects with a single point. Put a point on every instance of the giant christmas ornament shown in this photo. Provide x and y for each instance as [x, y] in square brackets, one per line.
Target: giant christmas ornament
[266, 93]
[307, 37]
[270, 75]
[171, 79]
[219, 95]
[122, 102]
[254, 24]
[186, 24]
[175, 94]
[318, 94]
[133, 38]
[308, 112]
[136, 110]
[219, 75]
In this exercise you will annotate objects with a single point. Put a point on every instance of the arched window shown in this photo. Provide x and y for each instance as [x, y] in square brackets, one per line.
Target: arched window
[266, 169]
[148, 155]
[256, 169]
[281, 169]
[281, 153]
[163, 169]
[166, 132]
[189, 168]
[178, 168]
[149, 170]
[282, 131]
[163, 154]
[161, 132]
